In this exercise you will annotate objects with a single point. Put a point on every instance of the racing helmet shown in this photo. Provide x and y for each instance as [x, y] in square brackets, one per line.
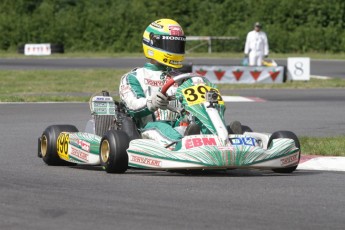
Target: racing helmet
[164, 42]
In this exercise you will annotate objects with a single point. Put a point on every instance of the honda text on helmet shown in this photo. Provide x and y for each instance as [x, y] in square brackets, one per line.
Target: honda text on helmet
[164, 42]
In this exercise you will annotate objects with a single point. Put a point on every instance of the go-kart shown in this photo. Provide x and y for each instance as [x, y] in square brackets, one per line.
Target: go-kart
[112, 140]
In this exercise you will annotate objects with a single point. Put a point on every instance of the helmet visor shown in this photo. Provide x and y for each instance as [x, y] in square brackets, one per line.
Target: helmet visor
[169, 43]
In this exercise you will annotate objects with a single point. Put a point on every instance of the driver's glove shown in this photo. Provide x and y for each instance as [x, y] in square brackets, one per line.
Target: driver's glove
[157, 100]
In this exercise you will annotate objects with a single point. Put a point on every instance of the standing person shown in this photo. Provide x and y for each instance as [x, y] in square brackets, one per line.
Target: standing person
[256, 47]
[164, 46]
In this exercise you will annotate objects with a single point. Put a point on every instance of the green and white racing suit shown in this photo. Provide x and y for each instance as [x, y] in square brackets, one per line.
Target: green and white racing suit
[136, 87]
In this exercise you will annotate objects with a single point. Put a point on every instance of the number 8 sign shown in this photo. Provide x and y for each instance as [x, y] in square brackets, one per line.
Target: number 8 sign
[299, 69]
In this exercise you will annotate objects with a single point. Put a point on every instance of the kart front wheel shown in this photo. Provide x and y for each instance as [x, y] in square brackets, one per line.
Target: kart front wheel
[290, 135]
[48, 144]
[113, 151]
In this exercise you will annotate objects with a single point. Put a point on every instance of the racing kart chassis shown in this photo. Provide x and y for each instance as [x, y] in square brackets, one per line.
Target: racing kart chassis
[112, 140]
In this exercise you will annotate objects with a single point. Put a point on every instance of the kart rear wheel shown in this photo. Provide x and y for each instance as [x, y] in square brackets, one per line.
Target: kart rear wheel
[113, 151]
[290, 135]
[48, 144]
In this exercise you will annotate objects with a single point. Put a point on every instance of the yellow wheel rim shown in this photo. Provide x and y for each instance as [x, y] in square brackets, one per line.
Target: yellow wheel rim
[44, 145]
[105, 150]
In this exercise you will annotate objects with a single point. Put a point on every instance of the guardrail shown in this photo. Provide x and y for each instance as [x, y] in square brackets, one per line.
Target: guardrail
[207, 41]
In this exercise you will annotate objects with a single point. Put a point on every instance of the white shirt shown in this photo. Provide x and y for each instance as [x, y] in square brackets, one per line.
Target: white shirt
[256, 42]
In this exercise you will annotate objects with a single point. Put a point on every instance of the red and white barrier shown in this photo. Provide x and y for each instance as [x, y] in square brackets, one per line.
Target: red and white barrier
[241, 74]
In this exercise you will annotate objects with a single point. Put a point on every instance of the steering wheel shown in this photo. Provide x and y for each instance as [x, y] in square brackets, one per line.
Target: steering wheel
[177, 78]
[172, 81]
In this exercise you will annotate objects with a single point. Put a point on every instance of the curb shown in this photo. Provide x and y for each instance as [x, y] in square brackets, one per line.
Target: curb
[323, 163]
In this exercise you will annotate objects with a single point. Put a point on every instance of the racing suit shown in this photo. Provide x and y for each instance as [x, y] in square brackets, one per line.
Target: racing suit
[256, 47]
[136, 88]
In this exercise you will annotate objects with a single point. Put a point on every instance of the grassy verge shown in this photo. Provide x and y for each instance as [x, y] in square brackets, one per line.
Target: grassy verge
[78, 85]
[326, 146]
[339, 56]
[57, 85]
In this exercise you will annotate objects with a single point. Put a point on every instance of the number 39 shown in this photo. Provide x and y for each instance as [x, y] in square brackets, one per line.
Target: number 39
[193, 94]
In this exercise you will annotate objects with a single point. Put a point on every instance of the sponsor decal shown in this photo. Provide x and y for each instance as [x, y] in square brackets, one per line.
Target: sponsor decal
[219, 74]
[238, 74]
[176, 30]
[101, 104]
[124, 89]
[255, 74]
[154, 24]
[173, 38]
[146, 161]
[289, 160]
[84, 145]
[79, 154]
[157, 83]
[225, 148]
[100, 110]
[62, 145]
[175, 62]
[102, 99]
[197, 142]
[274, 74]
[248, 141]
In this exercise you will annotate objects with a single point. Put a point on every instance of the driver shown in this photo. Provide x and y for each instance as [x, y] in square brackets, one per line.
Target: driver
[164, 46]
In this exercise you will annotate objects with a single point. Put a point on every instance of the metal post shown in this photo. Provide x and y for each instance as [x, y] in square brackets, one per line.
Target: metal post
[209, 45]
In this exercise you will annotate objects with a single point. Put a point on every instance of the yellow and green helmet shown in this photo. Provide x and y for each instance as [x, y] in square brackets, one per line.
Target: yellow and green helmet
[164, 41]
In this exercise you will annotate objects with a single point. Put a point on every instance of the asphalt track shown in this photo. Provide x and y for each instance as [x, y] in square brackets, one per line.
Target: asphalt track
[36, 196]
[331, 68]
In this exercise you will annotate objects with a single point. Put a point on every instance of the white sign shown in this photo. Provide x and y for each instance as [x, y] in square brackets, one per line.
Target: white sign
[37, 49]
[299, 69]
[241, 74]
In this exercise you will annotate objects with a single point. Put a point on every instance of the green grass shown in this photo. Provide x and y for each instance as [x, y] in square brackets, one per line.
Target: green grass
[11, 54]
[326, 146]
[57, 85]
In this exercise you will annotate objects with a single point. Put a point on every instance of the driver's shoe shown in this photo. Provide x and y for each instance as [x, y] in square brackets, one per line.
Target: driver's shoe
[235, 127]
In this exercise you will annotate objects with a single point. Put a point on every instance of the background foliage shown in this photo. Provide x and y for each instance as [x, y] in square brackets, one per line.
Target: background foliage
[117, 25]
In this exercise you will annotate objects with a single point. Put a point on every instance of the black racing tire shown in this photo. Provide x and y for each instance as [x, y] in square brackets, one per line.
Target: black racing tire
[113, 151]
[285, 134]
[128, 126]
[246, 128]
[241, 130]
[48, 144]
